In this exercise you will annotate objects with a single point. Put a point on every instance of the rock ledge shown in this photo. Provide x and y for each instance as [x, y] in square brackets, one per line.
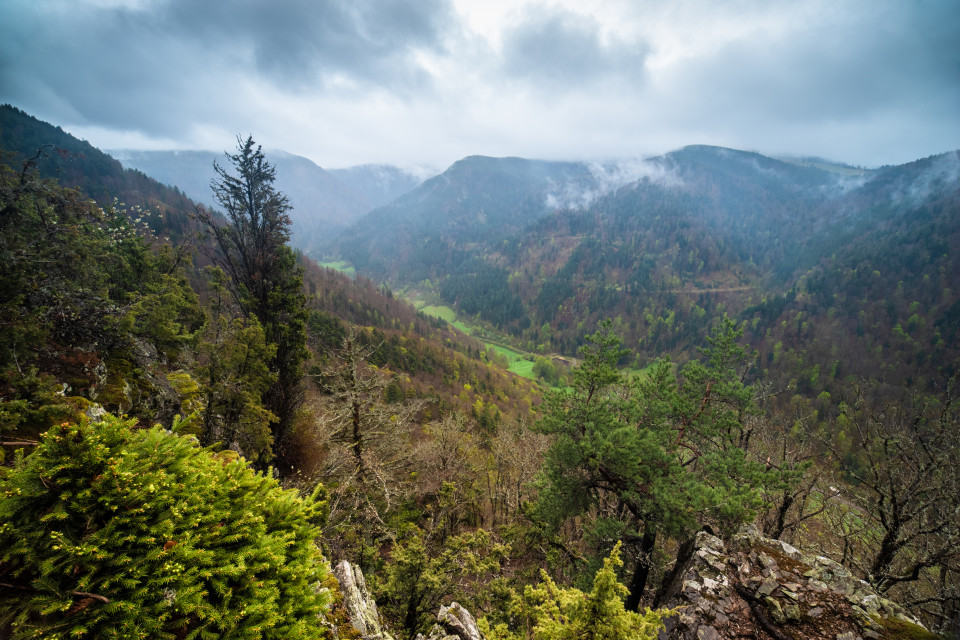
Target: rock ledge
[756, 587]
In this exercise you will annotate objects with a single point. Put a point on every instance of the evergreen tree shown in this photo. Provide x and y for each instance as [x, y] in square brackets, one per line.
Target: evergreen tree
[109, 532]
[263, 274]
[235, 375]
[659, 457]
[550, 612]
[428, 568]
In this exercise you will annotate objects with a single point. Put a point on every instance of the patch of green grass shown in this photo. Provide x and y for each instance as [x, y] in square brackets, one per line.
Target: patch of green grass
[510, 354]
[467, 329]
[523, 368]
[445, 313]
[439, 311]
[518, 363]
[340, 265]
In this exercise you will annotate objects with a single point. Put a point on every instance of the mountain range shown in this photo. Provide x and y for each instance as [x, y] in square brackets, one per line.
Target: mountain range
[324, 202]
[834, 271]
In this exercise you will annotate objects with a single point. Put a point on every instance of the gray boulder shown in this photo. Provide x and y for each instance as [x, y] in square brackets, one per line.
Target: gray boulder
[453, 623]
[360, 605]
[758, 587]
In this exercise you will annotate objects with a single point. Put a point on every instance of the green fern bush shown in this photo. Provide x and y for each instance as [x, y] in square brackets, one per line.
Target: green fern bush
[111, 532]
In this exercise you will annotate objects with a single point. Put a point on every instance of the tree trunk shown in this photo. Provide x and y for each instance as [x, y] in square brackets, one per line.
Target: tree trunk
[781, 523]
[357, 444]
[671, 582]
[641, 570]
[891, 545]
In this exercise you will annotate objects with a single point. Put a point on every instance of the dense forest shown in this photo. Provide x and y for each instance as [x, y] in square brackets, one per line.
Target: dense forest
[197, 420]
[835, 273]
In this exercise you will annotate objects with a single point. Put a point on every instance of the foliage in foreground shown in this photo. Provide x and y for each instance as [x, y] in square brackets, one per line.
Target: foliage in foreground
[426, 572]
[550, 612]
[108, 532]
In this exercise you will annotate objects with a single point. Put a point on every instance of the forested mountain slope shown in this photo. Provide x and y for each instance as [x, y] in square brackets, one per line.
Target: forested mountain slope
[75, 163]
[102, 342]
[705, 231]
[477, 200]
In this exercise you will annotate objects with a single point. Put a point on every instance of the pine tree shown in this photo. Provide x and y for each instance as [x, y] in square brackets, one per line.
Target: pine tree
[659, 457]
[263, 274]
[234, 359]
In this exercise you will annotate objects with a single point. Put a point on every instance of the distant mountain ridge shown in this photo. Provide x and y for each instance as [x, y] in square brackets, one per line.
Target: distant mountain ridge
[485, 200]
[543, 250]
[324, 202]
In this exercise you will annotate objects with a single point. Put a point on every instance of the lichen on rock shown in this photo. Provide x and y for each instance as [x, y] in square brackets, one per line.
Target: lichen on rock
[764, 588]
[453, 623]
[360, 605]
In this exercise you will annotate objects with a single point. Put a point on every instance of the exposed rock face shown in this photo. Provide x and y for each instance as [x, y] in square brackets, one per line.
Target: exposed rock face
[756, 587]
[453, 623]
[361, 607]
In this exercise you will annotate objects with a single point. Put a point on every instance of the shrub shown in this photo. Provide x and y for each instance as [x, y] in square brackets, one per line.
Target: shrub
[551, 612]
[109, 532]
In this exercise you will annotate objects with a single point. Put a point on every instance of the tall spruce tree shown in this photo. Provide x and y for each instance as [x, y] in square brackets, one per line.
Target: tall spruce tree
[263, 274]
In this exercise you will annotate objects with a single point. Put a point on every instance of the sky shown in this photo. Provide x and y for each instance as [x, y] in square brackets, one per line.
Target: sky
[427, 82]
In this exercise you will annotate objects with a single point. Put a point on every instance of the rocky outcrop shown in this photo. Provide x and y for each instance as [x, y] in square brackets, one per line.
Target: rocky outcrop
[132, 381]
[453, 623]
[360, 605]
[756, 587]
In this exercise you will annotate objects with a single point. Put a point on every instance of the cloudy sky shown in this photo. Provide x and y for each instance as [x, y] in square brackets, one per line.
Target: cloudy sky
[427, 82]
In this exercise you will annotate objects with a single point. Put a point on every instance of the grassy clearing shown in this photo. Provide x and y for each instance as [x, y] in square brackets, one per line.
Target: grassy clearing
[518, 364]
[523, 368]
[439, 311]
[467, 329]
[340, 265]
[445, 313]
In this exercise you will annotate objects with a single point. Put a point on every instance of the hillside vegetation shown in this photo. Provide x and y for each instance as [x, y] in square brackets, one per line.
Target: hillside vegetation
[835, 276]
[746, 341]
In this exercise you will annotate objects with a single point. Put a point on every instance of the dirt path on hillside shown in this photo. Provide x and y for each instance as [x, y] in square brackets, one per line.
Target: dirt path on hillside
[716, 290]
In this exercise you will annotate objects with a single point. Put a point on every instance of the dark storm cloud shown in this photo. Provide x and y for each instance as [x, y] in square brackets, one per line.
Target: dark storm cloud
[81, 64]
[308, 40]
[864, 81]
[902, 57]
[561, 50]
[159, 68]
